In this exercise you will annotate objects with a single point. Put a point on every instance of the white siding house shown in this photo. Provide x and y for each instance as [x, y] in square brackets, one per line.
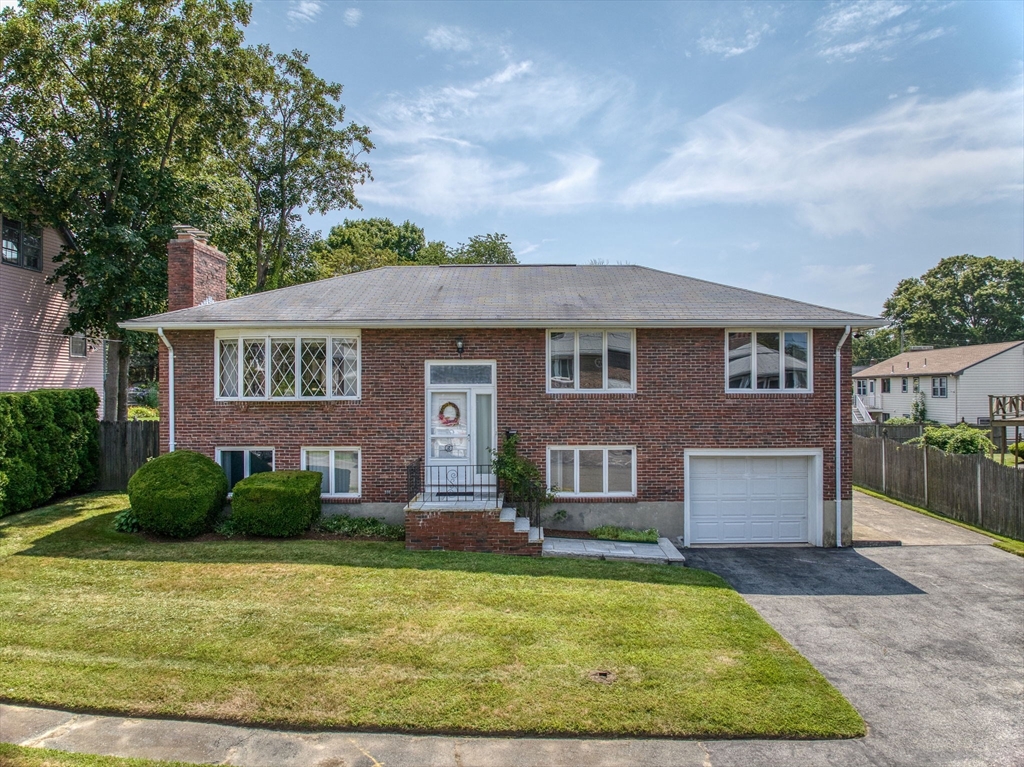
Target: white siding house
[955, 383]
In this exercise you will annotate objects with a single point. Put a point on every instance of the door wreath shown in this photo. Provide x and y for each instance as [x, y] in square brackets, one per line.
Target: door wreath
[449, 414]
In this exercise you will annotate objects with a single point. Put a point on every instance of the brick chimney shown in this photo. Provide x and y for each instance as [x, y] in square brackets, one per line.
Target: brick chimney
[196, 271]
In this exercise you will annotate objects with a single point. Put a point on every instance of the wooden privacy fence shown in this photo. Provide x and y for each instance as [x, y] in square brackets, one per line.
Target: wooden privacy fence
[968, 488]
[124, 447]
[897, 433]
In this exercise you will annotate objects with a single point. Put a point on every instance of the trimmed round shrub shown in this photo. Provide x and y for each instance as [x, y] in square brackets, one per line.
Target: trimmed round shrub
[179, 494]
[278, 504]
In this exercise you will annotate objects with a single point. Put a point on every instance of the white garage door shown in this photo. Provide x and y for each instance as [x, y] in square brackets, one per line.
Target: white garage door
[749, 499]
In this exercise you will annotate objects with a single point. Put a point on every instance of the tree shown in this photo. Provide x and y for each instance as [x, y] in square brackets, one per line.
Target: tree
[484, 249]
[361, 244]
[963, 300]
[109, 112]
[877, 345]
[299, 153]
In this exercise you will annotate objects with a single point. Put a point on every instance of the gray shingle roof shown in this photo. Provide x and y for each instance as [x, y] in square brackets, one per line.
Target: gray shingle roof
[938, 362]
[507, 296]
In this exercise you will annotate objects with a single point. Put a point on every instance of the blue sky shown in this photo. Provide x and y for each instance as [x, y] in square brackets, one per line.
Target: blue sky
[820, 151]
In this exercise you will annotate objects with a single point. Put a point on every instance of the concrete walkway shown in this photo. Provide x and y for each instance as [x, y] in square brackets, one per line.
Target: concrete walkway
[660, 553]
[876, 520]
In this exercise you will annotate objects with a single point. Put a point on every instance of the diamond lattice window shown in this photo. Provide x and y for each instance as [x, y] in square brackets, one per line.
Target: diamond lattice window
[346, 367]
[314, 367]
[282, 367]
[254, 352]
[229, 368]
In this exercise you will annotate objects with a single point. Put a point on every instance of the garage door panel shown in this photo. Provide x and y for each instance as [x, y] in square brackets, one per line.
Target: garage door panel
[749, 499]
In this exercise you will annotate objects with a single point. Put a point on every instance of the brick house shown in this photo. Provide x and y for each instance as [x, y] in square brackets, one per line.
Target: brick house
[647, 399]
[35, 352]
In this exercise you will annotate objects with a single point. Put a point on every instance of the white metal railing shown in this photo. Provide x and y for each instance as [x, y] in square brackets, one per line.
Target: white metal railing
[860, 411]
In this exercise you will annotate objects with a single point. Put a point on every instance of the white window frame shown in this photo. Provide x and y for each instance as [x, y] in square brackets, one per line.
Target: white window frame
[331, 451]
[71, 346]
[862, 388]
[576, 361]
[286, 334]
[904, 386]
[247, 450]
[940, 391]
[782, 352]
[576, 470]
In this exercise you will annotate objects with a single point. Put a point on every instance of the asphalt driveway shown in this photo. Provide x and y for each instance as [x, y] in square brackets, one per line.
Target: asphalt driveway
[927, 642]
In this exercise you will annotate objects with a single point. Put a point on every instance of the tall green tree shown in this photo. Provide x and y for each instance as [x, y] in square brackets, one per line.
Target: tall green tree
[109, 112]
[298, 154]
[361, 244]
[963, 300]
[877, 345]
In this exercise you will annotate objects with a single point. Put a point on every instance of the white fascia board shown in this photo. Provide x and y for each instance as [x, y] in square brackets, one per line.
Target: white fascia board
[146, 326]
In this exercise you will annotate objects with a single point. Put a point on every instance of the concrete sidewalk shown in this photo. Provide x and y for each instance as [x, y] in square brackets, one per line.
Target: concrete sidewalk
[877, 520]
[203, 743]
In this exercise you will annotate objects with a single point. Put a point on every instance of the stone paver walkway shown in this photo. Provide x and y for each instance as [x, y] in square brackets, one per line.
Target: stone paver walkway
[662, 552]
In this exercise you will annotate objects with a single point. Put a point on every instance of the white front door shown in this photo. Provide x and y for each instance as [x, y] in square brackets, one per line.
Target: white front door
[461, 426]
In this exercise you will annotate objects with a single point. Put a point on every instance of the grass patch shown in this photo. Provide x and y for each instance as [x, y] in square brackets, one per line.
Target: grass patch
[22, 756]
[1011, 545]
[613, 533]
[359, 634]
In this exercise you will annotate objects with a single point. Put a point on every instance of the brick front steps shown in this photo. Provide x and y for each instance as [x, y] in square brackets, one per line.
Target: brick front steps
[494, 531]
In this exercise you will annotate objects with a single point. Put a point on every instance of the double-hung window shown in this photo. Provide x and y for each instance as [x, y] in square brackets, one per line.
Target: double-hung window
[279, 366]
[21, 246]
[77, 346]
[886, 385]
[862, 387]
[591, 360]
[903, 386]
[339, 469]
[768, 360]
[241, 462]
[939, 386]
[592, 471]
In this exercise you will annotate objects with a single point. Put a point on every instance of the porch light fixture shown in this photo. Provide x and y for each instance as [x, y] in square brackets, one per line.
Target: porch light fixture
[460, 346]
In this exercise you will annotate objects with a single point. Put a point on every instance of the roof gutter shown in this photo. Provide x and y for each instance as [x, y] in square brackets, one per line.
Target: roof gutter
[170, 388]
[419, 324]
[839, 438]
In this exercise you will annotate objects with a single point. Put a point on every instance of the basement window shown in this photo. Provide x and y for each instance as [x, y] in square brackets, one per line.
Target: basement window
[241, 462]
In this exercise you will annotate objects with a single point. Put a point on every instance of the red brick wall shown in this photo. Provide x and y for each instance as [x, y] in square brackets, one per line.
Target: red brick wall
[680, 403]
[195, 271]
[465, 531]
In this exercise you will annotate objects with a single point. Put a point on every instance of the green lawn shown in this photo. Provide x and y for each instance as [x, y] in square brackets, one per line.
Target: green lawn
[18, 756]
[359, 634]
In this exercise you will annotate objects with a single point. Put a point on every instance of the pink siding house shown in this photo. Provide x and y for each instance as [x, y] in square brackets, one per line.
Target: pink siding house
[34, 351]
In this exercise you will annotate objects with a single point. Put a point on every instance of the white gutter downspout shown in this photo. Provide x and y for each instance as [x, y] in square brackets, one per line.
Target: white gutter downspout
[170, 388]
[839, 436]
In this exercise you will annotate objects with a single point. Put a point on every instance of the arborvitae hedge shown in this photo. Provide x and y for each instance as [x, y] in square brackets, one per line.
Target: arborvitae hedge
[279, 504]
[49, 445]
[178, 494]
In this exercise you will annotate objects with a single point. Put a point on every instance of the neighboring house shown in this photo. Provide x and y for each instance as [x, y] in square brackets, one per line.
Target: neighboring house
[35, 353]
[647, 399]
[954, 383]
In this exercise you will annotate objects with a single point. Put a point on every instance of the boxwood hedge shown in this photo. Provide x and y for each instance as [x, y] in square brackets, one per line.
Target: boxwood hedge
[279, 504]
[179, 494]
[49, 445]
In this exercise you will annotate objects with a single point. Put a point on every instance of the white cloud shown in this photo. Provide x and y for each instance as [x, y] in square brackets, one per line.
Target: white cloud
[914, 155]
[847, 31]
[517, 101]
[444, 38]
[352, 17]
[738, 34]
[451, 181]
[913, 89]
[304, 11]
